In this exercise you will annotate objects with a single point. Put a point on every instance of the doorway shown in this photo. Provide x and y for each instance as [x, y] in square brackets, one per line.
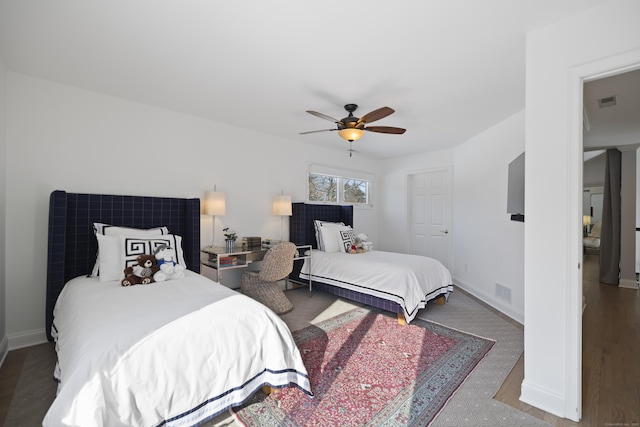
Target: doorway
[578, 143]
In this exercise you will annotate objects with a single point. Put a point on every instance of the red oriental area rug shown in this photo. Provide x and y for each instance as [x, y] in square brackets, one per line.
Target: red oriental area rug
[366, 370]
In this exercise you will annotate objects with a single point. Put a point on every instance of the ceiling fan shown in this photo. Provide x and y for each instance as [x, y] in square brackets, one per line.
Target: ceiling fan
[352, 128]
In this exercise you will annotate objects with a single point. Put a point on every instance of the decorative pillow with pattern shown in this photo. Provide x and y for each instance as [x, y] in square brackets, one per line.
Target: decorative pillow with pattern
[103, 229]
[330, 237]
[347, 239]
[114, 230]
[133, 247]
[119, 252]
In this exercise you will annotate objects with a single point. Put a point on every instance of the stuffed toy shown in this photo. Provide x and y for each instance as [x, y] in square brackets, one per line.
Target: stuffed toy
[358, 244]
[166, 258]
[144, 272]
[362, 241]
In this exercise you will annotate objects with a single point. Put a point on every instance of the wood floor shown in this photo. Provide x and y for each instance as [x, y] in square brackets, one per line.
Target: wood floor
[611, 360]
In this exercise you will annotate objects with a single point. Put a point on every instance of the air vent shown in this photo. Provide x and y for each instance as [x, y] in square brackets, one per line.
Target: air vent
[609, 101]
[503, 292]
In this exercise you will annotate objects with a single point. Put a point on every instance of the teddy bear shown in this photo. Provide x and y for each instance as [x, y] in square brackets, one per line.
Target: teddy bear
[358, 245]
[362, 241]
[166, 257]
[144, 272]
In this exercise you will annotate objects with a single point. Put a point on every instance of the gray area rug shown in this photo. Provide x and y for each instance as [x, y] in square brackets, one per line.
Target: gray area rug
[35, 390]
[471, 405]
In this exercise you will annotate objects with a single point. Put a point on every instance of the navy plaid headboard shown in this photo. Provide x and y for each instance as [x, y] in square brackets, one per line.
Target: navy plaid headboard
[301, 227]
[73, 246]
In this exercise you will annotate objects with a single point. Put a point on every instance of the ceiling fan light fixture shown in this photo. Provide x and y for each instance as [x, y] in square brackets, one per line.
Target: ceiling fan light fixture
[351, 134]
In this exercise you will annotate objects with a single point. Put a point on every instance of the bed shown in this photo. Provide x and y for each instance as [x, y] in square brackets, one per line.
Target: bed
[399, 283]
[591, 242]
[175, 352]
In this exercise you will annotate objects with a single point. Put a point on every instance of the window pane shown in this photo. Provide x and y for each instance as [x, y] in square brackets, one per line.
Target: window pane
[323, 188]
[355, 191]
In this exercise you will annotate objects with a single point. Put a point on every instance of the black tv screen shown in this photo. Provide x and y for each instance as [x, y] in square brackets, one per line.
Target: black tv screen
[515, 190]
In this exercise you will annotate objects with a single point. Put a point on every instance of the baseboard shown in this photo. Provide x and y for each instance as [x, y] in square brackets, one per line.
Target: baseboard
[4, 349]
[628, 284]
[491, 300]
[27, 339]
[543, 399]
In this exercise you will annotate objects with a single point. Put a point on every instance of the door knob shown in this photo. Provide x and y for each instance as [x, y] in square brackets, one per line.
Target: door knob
[445, 231]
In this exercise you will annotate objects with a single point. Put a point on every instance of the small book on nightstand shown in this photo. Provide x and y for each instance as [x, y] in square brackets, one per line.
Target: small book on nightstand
[251, 243]
[270, 243]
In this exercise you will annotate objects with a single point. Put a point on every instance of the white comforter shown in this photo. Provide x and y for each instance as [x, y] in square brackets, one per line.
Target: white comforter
[174, 353]
[409, 280]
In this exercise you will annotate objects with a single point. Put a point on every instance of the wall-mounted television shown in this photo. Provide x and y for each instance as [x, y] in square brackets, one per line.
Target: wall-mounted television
[515, 189]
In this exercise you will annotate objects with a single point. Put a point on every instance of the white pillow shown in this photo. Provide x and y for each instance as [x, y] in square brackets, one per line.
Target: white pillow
[319, 225]
[100, 228]
[110, 261]
[330, 237]
[346, 239]
[119, 252]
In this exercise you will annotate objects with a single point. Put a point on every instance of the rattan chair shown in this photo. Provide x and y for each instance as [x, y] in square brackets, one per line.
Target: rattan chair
[263, 285]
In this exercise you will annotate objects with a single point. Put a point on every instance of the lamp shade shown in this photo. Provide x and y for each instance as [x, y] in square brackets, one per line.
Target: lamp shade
[351, 134]
[586, 220]
[282, 205]
[215, 203]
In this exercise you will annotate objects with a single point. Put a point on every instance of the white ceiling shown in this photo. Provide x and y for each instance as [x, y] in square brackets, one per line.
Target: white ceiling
[617, 125]
[450, 68]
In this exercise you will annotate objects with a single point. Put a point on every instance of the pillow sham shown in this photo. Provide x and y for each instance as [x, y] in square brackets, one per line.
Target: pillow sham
[113, 230]
[330, 237]
[133, 247]
[347, 238]
[319, 225]
[110, 266]
[100, 228]
[120, 252]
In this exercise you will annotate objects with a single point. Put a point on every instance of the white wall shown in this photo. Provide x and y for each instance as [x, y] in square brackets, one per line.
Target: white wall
[489, 247]
[4, 345]
[593, 172]
[392, 213]
[60, 137]
[557, 57]
[628, 219]
[637, 234]
[485, 240]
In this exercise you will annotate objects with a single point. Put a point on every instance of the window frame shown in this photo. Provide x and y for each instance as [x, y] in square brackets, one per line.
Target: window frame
[341, 178]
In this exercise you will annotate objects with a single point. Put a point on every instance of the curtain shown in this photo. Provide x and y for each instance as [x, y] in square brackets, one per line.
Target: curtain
[610, 235]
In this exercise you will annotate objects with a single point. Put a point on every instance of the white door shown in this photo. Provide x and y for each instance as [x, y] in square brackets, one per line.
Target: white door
[430, 215]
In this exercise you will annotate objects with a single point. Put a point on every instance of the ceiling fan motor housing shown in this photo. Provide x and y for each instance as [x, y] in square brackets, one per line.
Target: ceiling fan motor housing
[350, 121]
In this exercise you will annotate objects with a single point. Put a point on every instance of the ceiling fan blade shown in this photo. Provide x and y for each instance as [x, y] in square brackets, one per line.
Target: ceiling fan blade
[316, 131]
[323, 116]
[385, 129]
[378, 114]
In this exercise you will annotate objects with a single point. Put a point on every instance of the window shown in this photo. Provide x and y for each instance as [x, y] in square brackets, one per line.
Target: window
[355, 191]
[333, 186]
[323, 188]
